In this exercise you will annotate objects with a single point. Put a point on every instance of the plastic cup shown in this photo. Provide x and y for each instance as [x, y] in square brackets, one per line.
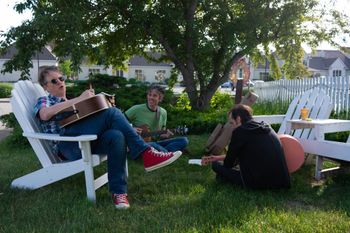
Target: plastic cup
[304, 113]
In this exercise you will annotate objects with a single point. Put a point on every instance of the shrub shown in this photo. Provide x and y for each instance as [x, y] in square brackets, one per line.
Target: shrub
[105, 80]
[199, 122]
[16, 137]
[5, 90]
[221, 101]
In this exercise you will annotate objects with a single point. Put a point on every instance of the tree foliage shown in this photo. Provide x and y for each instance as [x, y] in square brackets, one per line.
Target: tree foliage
[203, 38]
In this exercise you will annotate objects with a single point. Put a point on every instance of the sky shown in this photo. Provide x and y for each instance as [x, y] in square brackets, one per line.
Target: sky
[9, 17]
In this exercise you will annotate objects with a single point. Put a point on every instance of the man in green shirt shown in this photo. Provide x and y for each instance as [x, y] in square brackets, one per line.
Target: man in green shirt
[153, 118]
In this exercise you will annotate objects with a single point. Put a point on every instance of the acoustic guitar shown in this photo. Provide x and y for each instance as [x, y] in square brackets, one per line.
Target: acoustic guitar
[147, 134]
[84, 109]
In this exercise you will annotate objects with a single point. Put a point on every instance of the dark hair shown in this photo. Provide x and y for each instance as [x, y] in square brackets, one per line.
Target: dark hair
[45, 70]
[243, 111]
[156, 87]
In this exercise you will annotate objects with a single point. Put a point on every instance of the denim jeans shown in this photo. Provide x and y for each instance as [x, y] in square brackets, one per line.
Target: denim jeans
[170, 145]
[114, 133]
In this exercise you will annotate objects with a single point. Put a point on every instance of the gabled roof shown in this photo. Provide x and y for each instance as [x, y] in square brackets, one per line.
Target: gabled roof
[142, 61]
[44, 54]
[325, 58]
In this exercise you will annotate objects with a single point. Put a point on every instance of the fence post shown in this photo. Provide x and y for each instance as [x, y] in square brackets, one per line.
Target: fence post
[239, 91]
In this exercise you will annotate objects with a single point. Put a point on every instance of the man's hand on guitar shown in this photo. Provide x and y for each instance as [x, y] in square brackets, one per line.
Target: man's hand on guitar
[138, 130]
[168, 134]
[87, 94]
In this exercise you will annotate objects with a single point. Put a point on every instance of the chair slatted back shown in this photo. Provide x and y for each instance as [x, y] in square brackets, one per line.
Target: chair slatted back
[319, 105]
[24, 97]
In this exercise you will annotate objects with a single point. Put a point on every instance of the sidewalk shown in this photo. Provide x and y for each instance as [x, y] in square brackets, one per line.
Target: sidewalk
[5, 108]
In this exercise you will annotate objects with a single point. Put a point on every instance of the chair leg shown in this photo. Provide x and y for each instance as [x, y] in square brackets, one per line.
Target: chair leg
[319, 167]
[88, 170]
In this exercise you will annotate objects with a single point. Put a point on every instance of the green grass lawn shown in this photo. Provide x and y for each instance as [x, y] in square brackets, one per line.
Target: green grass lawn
[177, 198]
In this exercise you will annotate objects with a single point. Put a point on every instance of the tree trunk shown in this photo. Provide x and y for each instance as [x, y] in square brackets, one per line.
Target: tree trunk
[202, 102]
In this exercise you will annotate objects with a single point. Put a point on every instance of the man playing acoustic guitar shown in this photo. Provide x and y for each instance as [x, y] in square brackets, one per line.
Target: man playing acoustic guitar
[151, 117]
[110, 125]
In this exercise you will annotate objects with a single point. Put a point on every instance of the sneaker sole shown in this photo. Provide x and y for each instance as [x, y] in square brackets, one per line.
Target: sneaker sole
[176, 155]
[122, 206]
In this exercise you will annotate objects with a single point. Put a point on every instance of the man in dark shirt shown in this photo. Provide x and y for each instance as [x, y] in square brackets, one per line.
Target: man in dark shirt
[255, 147]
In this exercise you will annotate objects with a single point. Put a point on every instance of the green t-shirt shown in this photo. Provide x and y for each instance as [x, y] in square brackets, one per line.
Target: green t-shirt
[142, 115]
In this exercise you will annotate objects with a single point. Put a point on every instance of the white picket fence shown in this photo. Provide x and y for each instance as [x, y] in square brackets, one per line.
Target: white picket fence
[285, 90]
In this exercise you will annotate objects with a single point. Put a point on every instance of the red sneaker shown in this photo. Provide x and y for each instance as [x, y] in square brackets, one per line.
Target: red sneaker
[153, 159]
[120, 201]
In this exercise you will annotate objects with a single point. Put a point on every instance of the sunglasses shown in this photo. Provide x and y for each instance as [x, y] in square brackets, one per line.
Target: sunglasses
[55, 81]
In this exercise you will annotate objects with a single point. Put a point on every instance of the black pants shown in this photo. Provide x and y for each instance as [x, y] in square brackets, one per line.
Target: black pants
[227, 174]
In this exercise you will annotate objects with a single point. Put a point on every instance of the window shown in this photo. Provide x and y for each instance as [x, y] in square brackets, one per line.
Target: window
[336, 73]
[264, 76]
[139, 75]
[94, 71]
[160, 75]
[240, 73]
[119, 73]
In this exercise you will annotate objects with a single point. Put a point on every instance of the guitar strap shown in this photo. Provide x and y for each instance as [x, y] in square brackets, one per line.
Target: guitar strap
[158, 117]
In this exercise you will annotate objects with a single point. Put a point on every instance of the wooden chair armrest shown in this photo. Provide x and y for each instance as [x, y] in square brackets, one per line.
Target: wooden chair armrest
[341, 127]
[56, 137]
[270, 119]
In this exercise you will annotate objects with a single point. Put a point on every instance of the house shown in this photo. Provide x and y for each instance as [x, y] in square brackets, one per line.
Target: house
[246, 70]
[87, 69]
[43, 58]
[148, 71]
[138, 67]
[328, 63]
[331, 63]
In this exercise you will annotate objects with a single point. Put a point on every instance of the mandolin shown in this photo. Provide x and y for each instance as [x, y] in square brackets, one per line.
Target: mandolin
[84, 109]
[147, 135]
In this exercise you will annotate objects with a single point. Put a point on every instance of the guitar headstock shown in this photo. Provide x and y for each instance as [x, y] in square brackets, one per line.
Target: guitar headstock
[181, 130]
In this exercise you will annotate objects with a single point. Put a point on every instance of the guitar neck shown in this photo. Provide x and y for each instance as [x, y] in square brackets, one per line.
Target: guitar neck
[153, 133]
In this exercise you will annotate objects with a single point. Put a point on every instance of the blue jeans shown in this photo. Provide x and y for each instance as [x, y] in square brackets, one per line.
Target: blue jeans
[170, 145]
[114, 133]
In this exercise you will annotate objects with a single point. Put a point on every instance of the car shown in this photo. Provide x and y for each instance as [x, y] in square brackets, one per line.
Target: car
[227, 84]
[258, 81]
[250, 83]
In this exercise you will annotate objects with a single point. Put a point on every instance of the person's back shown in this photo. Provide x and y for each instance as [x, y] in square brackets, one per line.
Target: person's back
[257, 150]
[260, 156]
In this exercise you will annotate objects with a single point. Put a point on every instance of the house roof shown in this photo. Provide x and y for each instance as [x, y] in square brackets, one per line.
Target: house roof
[44, 54]
[325, 58]
[142, 61]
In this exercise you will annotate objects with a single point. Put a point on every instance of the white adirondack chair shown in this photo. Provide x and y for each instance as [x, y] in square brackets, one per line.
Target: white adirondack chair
[320, 108]
[316, 100]
[24, 96]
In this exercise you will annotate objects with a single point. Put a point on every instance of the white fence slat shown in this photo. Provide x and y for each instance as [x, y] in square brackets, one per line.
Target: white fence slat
[337, 88]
